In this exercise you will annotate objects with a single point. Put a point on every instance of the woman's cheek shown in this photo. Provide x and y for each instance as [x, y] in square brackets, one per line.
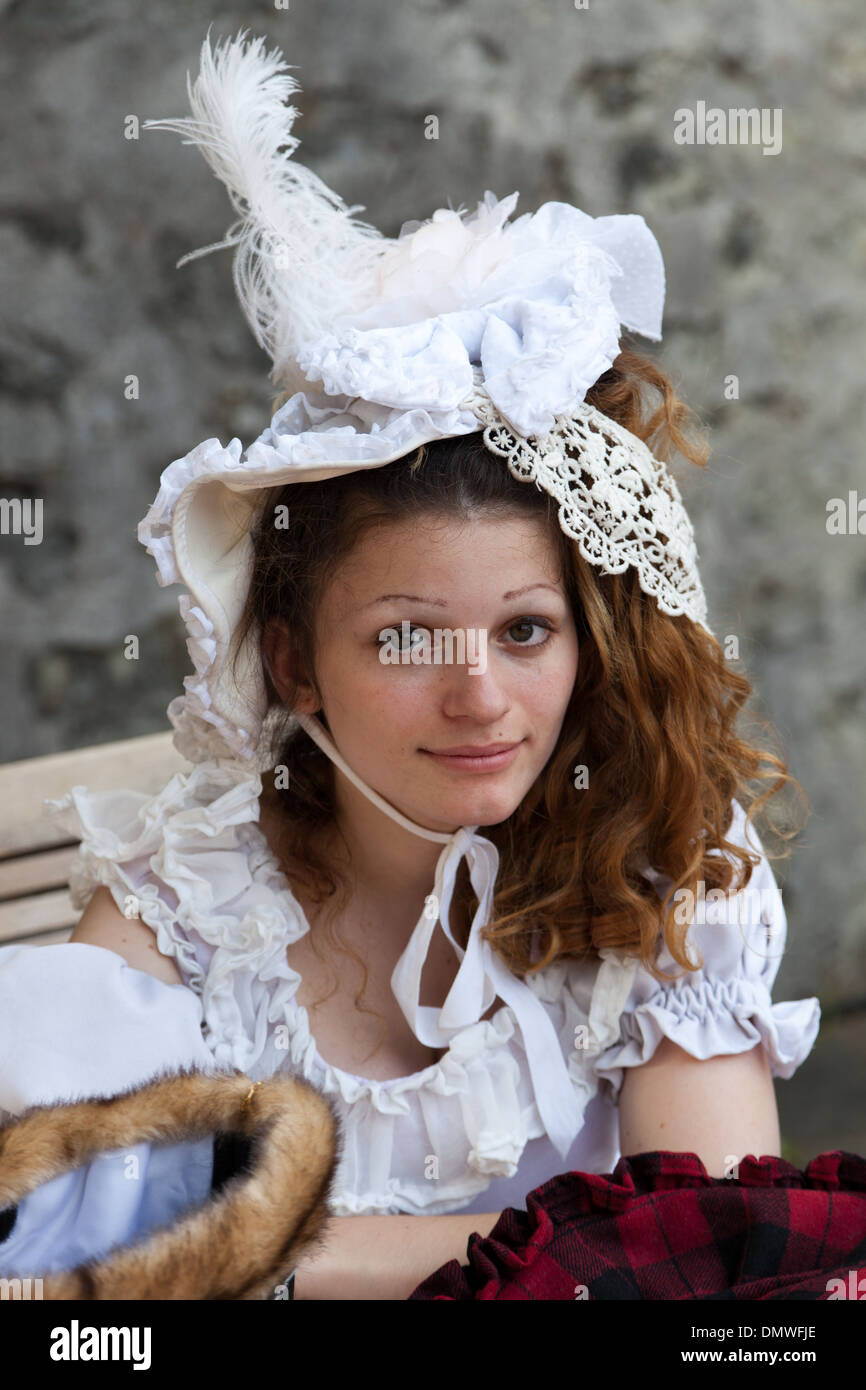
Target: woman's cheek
[549, 682]
[392, 694]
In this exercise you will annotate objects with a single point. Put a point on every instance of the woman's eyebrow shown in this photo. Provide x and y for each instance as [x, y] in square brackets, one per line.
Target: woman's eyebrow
[440, 603]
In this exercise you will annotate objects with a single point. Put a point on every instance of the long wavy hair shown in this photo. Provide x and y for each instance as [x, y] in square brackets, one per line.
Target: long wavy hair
[652, 715]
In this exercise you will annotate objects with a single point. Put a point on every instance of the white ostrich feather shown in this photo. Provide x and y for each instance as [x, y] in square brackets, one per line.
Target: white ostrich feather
[302, 257]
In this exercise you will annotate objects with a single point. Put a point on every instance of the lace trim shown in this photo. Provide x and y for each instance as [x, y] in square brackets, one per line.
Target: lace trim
[615, 498]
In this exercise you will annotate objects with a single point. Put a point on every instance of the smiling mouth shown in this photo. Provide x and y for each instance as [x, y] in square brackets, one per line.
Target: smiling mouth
[473, 750]
[475, 758]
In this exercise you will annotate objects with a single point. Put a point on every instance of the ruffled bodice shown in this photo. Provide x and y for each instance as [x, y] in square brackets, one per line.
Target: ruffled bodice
[464, 1133]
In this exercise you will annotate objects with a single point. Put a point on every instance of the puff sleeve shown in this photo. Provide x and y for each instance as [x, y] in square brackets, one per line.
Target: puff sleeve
[724, 1007]
[77, 1022]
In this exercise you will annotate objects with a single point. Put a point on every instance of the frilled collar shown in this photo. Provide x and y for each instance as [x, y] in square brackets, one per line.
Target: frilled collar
[482, 974]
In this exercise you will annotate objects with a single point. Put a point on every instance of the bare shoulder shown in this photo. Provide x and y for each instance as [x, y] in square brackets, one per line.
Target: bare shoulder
[103, 924]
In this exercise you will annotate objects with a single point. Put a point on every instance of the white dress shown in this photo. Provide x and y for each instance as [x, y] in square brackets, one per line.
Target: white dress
[463, 1135]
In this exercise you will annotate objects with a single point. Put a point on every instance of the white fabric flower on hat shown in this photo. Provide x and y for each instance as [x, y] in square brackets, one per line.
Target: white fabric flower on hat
[537, 303]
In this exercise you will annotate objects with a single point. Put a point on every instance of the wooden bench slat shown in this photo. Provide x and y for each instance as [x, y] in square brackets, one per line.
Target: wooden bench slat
[145, 763]
[23, 917]
[36, 853]
[49, 938]
[34, 873]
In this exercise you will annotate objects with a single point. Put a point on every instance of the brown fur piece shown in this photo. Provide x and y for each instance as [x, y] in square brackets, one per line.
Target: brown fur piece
[242, 1241]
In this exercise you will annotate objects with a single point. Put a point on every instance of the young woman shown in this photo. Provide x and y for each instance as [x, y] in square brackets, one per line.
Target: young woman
[610, 926]
[285, 903]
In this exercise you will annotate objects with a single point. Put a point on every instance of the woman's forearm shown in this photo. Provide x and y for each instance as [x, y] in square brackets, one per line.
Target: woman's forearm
[367, 1257]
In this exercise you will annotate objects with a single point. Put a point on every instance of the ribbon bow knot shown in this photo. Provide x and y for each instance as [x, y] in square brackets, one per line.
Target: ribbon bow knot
[482, 975]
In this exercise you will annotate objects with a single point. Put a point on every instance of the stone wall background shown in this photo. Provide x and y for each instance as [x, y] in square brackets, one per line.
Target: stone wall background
[765, 258]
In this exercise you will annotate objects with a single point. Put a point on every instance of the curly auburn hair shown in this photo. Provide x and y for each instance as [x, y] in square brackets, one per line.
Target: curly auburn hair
[652, 713]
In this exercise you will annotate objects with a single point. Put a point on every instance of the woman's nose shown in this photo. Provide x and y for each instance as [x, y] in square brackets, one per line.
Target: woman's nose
[475, 691]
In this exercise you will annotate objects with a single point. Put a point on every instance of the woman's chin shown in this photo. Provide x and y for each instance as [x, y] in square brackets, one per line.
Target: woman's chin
[486, 810]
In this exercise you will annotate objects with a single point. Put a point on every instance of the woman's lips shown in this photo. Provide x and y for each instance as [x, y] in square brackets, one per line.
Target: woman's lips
[499, 756]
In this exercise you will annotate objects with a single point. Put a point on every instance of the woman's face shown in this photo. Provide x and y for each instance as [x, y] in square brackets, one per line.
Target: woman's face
[494, 583]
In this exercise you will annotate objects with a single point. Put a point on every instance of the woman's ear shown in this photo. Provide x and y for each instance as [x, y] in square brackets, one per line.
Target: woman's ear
[280, 663]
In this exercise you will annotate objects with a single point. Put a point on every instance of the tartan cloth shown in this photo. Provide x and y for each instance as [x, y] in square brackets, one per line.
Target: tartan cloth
[659, 1227]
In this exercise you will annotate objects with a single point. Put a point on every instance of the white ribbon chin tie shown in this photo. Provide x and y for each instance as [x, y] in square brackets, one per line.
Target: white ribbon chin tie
[482, 975]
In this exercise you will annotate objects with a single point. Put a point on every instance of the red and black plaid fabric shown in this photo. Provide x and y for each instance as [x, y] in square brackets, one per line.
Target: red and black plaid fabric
[659, 1227]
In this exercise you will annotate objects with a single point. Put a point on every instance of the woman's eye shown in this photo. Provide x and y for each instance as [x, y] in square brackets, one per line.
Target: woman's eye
[405, 639]
[525, 626]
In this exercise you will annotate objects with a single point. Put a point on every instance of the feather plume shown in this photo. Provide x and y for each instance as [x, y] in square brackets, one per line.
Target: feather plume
[302, 258]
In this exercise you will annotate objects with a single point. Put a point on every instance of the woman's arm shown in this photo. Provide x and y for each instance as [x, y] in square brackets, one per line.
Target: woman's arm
[103, 924]
[718, 1108]
[371, 1257]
